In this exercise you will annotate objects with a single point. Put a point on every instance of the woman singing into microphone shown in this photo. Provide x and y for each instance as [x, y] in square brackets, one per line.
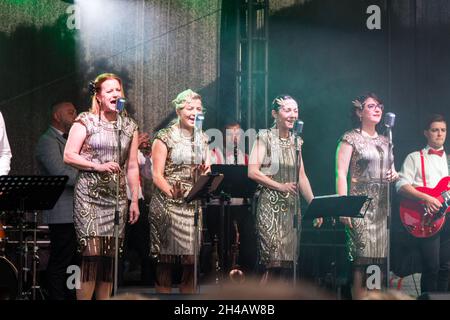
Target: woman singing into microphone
[92, 147]
[365, 153]
[174, 171]
[272, 165]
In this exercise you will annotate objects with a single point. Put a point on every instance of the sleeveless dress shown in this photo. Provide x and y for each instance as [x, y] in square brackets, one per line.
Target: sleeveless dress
[172, 220]
[95, 192]
[367, 241]
[275, 209]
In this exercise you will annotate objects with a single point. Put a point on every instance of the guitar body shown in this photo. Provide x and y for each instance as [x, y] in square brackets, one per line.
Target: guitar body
[414, 218]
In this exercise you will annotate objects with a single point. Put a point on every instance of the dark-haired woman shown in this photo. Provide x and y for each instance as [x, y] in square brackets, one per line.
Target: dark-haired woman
[272, 166]
[363, 153]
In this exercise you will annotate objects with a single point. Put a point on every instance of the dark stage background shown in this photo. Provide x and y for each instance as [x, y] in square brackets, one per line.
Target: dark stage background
[320, 51]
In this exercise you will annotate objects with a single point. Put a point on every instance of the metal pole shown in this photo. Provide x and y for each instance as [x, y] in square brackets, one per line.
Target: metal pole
[296, 207]
[388, 222]
[117, 210]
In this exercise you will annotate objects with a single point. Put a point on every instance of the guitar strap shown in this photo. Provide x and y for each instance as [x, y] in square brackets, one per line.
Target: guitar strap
[422, 162]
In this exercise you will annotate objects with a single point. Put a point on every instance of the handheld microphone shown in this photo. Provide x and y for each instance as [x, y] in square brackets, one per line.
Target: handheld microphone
[389, 119]
[120, 104]
[298, 127]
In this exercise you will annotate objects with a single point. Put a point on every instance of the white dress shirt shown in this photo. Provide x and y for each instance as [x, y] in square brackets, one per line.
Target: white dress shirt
[436, 168]
[5, 150]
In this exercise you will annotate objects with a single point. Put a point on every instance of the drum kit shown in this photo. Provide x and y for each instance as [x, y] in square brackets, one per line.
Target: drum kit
[24, 252]
[21, 198]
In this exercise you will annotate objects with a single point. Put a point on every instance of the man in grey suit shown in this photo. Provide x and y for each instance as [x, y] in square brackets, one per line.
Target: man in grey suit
[49, 155]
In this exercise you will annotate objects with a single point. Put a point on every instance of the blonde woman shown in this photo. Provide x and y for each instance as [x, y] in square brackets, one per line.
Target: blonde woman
[174, 171]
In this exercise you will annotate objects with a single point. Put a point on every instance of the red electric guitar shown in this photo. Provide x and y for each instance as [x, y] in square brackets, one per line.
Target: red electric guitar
[419, 222]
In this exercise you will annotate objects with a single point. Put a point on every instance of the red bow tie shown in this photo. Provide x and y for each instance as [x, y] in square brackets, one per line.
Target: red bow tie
[436, 152]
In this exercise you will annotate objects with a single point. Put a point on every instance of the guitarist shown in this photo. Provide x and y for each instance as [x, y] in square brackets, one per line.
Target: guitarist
[434, 251]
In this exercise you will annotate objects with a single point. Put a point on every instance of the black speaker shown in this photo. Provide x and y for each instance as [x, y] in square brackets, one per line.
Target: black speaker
[434, 296]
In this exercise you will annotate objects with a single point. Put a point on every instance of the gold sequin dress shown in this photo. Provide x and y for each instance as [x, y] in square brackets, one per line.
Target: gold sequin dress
[172, 220]
[275, 209]
[95, 192]
[367, 241]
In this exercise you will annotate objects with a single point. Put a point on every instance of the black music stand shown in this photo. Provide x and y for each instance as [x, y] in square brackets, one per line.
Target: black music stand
[235, 184]
[333, 206]
[202, 190]
[29, 193]
[336, 206]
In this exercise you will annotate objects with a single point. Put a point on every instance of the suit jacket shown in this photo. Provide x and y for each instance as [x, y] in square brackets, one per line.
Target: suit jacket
[50, 158]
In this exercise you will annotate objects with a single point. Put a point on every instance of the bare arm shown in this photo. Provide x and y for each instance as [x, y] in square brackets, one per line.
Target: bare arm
[343, 156]
[133, 178]
[305, 186]
[159, 156]
[133, 168]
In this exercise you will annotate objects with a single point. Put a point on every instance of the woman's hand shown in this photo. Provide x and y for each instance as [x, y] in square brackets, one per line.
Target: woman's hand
[288, 187]
[111, 166]
[346, 221]
[201, 169]
[317, 223]
[392, 175]
[177, 191]
[133, 213]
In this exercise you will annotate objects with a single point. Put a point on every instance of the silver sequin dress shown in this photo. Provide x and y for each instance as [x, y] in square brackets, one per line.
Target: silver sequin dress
[367, 241]
[275, 210]
[95, 192]
[172, 220]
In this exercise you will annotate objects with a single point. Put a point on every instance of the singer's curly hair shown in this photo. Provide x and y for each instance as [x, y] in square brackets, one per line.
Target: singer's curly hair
[358, 105]
[95, 87]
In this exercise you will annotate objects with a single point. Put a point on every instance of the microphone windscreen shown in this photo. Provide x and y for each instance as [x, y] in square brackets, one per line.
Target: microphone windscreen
[199, 117]
[298, 127]
[120, 104]
[389, 119]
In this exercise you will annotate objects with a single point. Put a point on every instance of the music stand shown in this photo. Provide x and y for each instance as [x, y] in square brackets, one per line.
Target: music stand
[235, 184]
[202, 189]
[333, 206]
[336, 206]
[29, 193]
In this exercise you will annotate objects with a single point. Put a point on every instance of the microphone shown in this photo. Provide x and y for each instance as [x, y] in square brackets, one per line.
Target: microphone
[298, 127]
[198, 122]
[120, 104]
[389, 119]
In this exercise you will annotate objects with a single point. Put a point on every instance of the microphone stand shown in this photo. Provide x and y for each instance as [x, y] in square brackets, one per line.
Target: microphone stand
[388, 200]
[117, 209]
[198, 156]
[296, 206]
